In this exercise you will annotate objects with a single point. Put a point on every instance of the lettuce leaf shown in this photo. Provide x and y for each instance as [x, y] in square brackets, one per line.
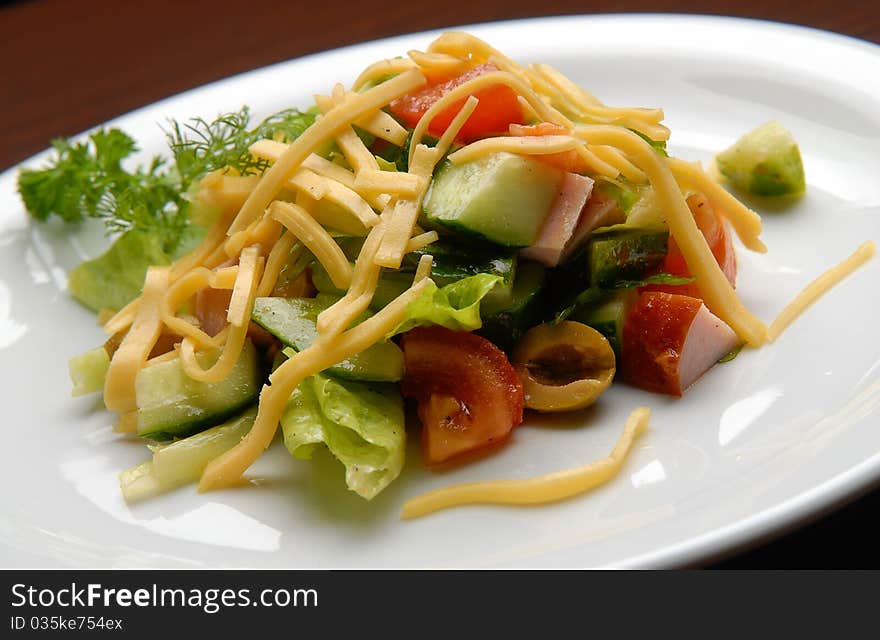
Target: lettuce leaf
[116, 277]
[111, 280]
[361, 424]
[455, 306]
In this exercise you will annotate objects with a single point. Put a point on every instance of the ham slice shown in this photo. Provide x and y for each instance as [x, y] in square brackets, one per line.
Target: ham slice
[561, 221]
[670, 340]
[600, 211]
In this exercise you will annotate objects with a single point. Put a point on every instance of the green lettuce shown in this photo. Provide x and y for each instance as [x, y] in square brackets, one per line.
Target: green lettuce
[361, 424]
[116, 277]
[455, 306]
[111, 280]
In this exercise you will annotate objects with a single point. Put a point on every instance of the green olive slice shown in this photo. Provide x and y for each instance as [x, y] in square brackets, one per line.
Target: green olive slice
[563, 366]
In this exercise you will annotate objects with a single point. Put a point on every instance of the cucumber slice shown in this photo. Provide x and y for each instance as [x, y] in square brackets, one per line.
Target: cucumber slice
[608, 316]
[503, 198]
[766, 162]
[183, 461]
[87, 371]
[623, 252]
[452, 260]
[505, 321]
[292, 320]
[173, 405]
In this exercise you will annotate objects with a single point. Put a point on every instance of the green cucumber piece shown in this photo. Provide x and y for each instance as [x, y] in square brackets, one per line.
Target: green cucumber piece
[87, 371]
[608, 316]
[456, 261]
[506, 320]
[182, 461]
[765, 161]
[452, 260]
[292, 320]
[502, 197]
[623, 252]
[173, 405]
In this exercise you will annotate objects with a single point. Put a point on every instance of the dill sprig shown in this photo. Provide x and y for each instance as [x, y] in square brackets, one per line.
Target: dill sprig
[200, 146]
[87, 179]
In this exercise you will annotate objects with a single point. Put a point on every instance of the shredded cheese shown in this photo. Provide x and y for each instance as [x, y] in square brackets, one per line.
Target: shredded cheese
[123, 318]
[439, 64]
[524, 145]
[240, 307]
[330, 124]
[316, 238]
[337, 317]
[423, 270]
[421, 241]
[542, 489]
[177, 295]
[617, 160]
[406, 212]
[381, 70]
[136, 345]
[278, 257]
[744, 221]
[819, 287]
[399, 184]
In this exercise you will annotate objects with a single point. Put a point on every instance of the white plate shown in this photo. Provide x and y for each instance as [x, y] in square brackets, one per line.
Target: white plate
[758, 444]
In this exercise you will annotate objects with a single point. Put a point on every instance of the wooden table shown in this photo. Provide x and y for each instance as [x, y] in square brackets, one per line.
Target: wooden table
[69, 65]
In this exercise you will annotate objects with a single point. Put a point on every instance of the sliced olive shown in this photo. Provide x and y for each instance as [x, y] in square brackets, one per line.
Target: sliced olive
[563, 366]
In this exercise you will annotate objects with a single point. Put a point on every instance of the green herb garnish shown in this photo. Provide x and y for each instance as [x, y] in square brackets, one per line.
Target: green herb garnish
[87, 179]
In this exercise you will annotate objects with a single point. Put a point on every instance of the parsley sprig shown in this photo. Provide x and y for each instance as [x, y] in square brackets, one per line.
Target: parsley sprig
[88, 179]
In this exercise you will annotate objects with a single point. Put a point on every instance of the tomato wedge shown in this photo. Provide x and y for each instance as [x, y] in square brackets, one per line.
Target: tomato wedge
[719, 239]
[498, 107]
[469, 396]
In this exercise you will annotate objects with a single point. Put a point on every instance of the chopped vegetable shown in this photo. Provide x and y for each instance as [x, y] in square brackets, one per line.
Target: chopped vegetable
[455, 306]
[362, 426]
[170, 404]
[765, 161]
[87, 371]
[182, 461]
[469, 396]
[502, 198]
[498, 107]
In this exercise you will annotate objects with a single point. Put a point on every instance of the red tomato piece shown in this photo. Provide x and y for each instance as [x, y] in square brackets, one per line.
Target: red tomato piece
[469, 396]
[497, 109]
[719, 239]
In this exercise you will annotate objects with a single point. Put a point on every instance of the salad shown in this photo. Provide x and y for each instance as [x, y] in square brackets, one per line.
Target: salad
[455, 232]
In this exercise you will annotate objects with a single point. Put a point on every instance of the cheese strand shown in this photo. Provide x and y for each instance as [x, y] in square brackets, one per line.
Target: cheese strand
[820, 286]
[542, 489]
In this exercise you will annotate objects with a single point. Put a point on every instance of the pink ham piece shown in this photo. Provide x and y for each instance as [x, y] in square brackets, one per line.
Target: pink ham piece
[600, 211]
[561, 221]
[670, 340]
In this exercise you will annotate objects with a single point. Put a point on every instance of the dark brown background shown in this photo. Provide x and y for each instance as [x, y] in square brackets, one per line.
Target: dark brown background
[71, 64]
